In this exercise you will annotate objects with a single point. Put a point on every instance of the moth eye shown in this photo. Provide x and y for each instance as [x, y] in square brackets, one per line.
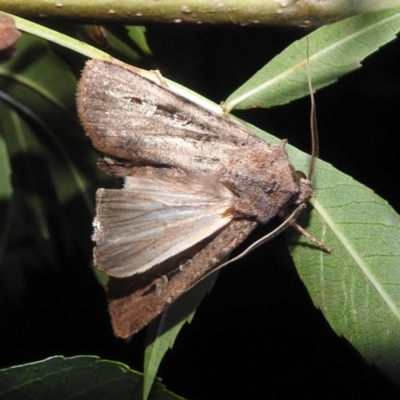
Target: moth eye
[301, 174]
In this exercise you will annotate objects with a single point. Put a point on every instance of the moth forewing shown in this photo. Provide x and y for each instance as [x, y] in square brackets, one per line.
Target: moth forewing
[130, 117]
[135, 301]
[197, 184]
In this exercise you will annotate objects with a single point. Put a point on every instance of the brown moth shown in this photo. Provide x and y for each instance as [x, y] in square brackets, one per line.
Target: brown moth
[9, 36]
[196, 185]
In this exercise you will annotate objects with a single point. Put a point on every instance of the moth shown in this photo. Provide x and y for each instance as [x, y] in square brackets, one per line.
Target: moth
[9, 36]
[196, 185]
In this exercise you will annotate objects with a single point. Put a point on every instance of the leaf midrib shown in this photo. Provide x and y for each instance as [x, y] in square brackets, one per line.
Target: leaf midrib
[356, 257]
[301, 64]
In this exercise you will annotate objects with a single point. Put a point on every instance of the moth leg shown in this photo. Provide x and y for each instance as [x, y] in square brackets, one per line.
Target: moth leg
[311, 238]
[159, 76]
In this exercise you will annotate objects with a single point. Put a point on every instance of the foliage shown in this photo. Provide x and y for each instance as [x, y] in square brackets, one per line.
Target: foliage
[54, 175]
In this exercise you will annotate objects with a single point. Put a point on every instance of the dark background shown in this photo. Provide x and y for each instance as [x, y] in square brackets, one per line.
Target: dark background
[257, 334]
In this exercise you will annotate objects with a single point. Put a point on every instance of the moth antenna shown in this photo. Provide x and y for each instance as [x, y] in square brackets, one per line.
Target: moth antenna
[313, 123]
[277, 231]
[314, 157]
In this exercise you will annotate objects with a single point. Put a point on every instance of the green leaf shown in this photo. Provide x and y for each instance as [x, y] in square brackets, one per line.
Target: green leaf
[129, 41]
[5, 193]
[5, 170]
[156, 350]
[162, 332]
[53, 163]
[59, 38]
[46, 99]
[357, 286]
[46, 155]
[138, 35]
[333, 51]
[23, 146]
[123, 41]
[81, 377]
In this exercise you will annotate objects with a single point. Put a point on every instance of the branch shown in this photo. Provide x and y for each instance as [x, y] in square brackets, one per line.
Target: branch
[303, 13]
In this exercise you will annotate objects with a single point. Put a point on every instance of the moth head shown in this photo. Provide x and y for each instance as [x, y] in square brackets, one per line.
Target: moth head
[306, 190]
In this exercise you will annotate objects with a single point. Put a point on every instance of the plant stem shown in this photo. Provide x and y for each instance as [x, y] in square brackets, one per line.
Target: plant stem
[242, 12]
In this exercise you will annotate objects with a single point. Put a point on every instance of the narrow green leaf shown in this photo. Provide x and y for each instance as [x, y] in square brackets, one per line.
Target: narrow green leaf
[162, 332]
[57, 37]
[47, 99]
[357, 286]
[333, 50]
[53, 163]
[129, 41]
[138, 35]
[119, 40]
[81, 377]
[156, 350]
[5, 169]
[6, 191]
[23, 145]
[90, 51]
